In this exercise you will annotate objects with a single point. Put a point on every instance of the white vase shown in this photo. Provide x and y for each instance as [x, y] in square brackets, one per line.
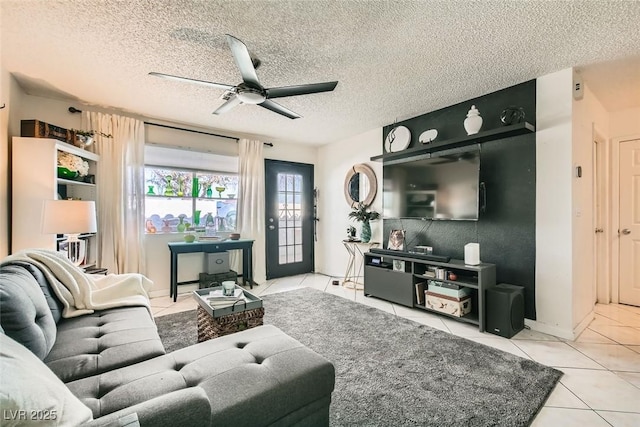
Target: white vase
[473, 122]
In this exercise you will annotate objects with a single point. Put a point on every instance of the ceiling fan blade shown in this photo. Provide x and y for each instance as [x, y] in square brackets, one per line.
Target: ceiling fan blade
[277, 108]
[185, 79]
[231, 102]
[279, 92]
[243, 61]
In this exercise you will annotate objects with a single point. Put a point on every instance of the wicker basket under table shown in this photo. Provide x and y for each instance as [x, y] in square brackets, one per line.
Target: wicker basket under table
[210, 327]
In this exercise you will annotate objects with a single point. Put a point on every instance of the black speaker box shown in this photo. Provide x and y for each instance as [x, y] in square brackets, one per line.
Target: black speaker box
[505, 310]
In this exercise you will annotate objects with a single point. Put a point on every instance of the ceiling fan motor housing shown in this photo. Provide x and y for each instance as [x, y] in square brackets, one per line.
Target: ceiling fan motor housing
[251, 95]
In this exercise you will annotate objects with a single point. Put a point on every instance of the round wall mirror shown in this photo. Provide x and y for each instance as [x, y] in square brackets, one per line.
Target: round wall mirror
[360, 185]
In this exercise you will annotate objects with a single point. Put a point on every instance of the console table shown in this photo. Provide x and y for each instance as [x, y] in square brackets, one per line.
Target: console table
[176, 248]
[356, 261]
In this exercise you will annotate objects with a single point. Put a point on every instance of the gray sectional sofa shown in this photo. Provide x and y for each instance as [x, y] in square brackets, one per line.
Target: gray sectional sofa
[110, 368]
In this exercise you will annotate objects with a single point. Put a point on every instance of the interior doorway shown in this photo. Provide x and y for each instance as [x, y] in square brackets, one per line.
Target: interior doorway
[289, 218]
[601, 253]
[629, 222]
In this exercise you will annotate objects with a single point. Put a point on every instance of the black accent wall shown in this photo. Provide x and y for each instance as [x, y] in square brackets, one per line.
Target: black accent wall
[506, 229]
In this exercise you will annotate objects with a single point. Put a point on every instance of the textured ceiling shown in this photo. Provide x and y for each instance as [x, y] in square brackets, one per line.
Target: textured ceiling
[394, 60]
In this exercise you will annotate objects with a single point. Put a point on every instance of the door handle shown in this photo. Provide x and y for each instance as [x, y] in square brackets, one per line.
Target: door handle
[272, 227]
[626, 231]
[599, 230]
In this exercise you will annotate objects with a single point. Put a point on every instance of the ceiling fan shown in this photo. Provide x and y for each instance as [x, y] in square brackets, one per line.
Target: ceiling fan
[250, 91]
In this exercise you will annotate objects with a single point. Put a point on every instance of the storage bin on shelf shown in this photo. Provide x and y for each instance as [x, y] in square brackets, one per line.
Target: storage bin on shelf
[448, 298]
[218, 262]
[448, 289]
[207, 280]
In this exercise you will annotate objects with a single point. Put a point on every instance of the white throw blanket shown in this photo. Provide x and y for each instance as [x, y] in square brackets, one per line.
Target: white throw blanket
[81, 293]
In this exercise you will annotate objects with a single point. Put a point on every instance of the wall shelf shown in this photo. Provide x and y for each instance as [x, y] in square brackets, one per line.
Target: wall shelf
[62, 181]
[425, 150]
[162, 196]
[468, 318]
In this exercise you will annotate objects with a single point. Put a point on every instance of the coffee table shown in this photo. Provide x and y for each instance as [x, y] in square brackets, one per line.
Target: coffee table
[216, 322]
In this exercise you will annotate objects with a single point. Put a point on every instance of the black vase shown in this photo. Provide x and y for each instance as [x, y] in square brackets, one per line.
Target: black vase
[512, 115]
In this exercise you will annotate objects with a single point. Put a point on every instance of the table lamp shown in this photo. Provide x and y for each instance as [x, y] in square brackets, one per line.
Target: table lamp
[70, 217]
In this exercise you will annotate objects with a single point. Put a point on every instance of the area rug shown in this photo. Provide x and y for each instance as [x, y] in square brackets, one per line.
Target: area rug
[391, 371]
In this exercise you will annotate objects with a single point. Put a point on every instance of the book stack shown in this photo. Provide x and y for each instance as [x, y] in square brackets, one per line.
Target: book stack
[217, 299]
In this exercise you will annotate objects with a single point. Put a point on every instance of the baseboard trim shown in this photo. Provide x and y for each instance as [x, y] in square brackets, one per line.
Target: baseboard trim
[584, 324]
[184, 289]
[549, 330]
[159, 293]
[567, 334]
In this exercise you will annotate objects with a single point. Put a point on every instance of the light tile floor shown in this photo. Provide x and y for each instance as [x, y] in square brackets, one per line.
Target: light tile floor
[601, 381]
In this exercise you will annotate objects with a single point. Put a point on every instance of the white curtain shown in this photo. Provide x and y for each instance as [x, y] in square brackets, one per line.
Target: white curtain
[120, 198]
[250, 214]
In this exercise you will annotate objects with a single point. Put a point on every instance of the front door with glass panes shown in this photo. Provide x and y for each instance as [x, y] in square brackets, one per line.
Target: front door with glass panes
[289, 218]
[200, 202]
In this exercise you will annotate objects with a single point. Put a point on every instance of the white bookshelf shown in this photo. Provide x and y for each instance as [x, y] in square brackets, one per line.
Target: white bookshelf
[34, 179]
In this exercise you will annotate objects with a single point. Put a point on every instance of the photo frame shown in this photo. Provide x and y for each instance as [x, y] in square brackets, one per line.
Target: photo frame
[398, 265]
[396, 240]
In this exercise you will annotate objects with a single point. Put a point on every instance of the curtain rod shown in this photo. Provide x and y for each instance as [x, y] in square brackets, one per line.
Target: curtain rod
[269, 144]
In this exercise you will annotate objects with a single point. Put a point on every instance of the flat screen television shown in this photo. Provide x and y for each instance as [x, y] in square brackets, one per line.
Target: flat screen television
[445, 187]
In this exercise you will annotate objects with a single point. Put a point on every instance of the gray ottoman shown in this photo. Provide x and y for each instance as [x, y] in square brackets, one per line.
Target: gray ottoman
[260, 376]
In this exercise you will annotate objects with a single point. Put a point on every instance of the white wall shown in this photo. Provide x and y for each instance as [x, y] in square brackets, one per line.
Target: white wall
[159, 261]
[588, 114]
[50, 111]
[624, 123]
[554, 175]
[293, 153]
[334, 161]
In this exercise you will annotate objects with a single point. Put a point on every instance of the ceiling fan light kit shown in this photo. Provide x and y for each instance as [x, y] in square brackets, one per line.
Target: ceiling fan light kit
[251, 96]
[250, 91]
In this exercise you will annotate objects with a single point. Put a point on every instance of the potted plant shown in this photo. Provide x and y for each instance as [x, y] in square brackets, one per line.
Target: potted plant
[351, 232]
[361, 214]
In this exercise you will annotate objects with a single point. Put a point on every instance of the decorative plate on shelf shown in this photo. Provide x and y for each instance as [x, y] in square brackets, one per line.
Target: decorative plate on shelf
[428, 136]
[398, 139]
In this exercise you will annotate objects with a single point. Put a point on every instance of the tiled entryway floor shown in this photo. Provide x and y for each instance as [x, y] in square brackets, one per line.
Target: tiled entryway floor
[601, 381]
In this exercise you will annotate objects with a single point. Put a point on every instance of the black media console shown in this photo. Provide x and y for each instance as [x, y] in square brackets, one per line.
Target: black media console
[402, 277]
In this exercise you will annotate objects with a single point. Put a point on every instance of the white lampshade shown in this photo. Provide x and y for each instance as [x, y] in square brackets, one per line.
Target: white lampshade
[69, 217]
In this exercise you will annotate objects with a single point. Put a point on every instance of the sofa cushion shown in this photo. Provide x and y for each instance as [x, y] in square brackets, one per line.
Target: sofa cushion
[49, 294]
[31, 394]
[253, 377]
[102, 341]
[25, 314]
